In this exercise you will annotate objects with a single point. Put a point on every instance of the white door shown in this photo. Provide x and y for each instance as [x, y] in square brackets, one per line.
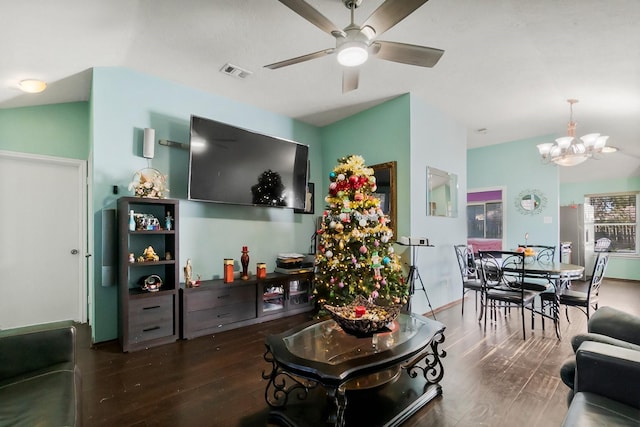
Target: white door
[42, 240]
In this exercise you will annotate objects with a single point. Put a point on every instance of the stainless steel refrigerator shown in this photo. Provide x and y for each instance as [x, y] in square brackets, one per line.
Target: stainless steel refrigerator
[576, 226]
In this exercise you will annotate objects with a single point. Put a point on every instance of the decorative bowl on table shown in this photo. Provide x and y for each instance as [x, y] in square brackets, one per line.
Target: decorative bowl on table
[362, 317]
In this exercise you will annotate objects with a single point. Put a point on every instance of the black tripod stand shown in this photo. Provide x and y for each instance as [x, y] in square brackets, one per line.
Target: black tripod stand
[411, 279]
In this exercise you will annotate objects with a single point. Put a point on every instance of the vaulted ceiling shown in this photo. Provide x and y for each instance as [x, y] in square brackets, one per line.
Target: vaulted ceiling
[509, 65]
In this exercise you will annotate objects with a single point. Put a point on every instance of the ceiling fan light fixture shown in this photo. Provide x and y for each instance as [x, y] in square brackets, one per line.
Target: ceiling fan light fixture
[352, 54]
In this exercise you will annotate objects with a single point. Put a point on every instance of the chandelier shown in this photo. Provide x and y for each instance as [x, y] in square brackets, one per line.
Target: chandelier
[569, 151]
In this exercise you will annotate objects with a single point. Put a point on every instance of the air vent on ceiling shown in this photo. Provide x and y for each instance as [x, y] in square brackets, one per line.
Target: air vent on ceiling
[235, 71]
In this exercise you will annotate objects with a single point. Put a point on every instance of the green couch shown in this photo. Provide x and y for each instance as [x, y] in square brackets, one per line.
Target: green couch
[39, 379]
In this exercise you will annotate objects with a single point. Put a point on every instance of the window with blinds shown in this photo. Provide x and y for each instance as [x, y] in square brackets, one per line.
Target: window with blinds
[615, 217]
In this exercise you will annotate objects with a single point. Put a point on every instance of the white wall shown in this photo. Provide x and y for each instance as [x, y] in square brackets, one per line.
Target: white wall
[438, 141]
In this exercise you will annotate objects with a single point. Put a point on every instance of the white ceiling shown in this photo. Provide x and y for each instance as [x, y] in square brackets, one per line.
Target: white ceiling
[509, 65]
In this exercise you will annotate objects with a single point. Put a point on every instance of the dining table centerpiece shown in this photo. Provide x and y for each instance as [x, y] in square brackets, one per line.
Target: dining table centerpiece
[355, 256]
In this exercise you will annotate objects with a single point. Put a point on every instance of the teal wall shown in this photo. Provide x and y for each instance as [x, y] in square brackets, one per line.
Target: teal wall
[516, 167]
[60, 130]
[123, 103]
[438, 141]
[380, 134]
[620, 266]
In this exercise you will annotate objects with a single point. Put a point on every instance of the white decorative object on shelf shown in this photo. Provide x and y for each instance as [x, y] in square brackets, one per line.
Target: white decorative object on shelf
[149, 183]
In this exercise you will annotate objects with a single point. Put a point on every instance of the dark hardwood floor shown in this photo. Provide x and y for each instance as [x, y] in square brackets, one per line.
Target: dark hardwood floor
[492, 379]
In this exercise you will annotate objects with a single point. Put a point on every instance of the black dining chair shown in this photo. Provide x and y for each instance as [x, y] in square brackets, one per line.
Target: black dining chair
[502, 276]
[469, 275]
[543, 255]
[540, 282]
[585, 301]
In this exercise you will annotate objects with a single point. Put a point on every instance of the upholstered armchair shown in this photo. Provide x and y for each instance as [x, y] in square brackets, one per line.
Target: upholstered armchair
[604, 375]
[607, 325]
[39, 379]
[607, 387]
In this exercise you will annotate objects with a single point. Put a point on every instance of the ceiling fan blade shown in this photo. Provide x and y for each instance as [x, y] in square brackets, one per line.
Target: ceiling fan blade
[307, 11]
[299, 59]
[390, 13]
[411, 54]
[350, 77]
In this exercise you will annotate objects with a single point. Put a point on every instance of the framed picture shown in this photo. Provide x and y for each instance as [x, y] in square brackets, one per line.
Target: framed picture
[309, 207]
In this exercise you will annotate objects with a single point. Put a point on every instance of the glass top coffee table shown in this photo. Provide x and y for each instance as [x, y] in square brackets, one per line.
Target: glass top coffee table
[385, 377]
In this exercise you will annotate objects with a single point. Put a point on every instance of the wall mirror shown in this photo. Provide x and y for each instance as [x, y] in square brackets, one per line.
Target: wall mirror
[385, 174]
[530, 202]
[442, 193]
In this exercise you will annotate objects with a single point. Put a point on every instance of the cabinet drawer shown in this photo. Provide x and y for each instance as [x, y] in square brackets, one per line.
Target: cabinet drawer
[218, 316]
[151, 318]
[220, 297]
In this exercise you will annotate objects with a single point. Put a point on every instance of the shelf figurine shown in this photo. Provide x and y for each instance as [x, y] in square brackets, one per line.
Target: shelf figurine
[187, 273]
[244, 260]
[150, 255]
[167, 221]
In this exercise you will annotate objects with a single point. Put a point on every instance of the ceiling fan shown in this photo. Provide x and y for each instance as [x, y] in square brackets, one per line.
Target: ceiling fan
[355, 43]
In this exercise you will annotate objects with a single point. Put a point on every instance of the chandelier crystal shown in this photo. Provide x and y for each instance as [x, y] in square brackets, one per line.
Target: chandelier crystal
[569, 151]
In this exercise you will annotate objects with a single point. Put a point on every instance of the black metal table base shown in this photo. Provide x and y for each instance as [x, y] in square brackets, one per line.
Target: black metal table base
[298, 402]
[390, 405]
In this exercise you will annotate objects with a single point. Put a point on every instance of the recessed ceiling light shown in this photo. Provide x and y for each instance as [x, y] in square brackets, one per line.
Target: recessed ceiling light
[609, 149]
[32, 85]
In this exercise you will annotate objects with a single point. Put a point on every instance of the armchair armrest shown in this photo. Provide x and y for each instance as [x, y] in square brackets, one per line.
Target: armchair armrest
[615, 324]
[577, 340]
[609, 371]
[34, 348]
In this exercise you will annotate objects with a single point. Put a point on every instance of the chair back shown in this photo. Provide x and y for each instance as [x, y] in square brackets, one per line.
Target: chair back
[545, 254]
[596, 278]
[602, 244]
[502, 268]
[466, 263]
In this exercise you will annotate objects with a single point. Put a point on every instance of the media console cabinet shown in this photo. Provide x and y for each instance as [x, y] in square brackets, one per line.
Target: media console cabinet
[150, 318]
[216, 306]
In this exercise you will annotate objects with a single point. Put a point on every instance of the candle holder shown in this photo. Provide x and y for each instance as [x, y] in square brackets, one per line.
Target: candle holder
[228, 270]
[244, 260]
[261, 270]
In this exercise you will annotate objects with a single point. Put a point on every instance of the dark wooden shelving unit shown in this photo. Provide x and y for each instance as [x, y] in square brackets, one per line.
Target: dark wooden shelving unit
[216, 306]
[147, 319]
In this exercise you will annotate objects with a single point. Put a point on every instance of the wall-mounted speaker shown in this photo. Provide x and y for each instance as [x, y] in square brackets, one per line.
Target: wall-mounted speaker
[148, 143]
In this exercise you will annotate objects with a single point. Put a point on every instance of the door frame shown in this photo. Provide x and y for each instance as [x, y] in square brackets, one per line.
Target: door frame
[84, 258]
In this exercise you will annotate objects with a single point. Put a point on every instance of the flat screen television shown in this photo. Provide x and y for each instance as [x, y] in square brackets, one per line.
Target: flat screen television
[237, 166]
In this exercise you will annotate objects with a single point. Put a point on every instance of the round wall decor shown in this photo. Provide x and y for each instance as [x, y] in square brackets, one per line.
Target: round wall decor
[530, 202]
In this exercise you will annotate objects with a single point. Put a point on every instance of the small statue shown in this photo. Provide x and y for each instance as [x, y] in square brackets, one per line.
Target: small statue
[188, 273]
[150, 255]
[244, 260]
[167, 221]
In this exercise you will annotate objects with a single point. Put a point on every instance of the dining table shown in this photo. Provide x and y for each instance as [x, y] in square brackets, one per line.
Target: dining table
[559, 274]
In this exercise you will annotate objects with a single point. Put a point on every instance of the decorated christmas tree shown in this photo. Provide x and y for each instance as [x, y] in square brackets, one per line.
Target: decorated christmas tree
[355, 252]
